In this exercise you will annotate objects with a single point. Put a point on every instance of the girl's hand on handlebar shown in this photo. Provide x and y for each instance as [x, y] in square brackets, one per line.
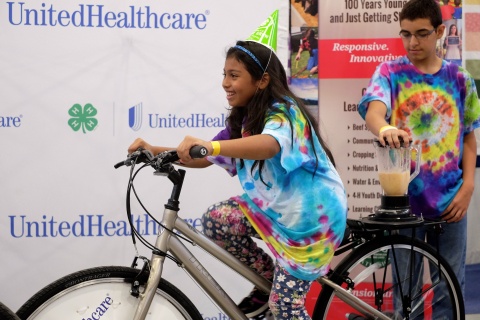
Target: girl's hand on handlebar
[139, 143]
[183, 149]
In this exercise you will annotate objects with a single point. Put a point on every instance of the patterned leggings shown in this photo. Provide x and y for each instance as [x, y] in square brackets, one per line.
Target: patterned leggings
[226, 225]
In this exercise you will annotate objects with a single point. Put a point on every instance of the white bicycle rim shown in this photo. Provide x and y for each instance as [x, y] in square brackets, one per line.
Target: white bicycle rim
[105, 299]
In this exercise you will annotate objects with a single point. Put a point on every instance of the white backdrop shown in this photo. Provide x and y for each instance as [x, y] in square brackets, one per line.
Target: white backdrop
[53, 178]
[61, 201]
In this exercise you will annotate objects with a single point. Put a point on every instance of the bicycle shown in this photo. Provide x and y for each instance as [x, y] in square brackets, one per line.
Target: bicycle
[121, 293]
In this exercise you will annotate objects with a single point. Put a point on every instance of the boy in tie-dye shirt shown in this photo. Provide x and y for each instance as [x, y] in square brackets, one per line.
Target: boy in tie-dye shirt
[432, 103]
[439, 112]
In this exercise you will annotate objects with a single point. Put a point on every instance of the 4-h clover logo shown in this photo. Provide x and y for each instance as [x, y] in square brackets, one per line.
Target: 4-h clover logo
[82, 117]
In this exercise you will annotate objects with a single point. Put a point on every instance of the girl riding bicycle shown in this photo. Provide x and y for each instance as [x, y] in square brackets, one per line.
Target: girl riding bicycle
[294, 198]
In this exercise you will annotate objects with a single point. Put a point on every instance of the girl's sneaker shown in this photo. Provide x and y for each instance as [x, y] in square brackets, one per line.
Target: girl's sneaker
[255, 304]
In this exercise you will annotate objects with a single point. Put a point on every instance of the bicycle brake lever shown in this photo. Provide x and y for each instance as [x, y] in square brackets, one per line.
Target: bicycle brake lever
[147, 154]
[140, 154]
[129, 160]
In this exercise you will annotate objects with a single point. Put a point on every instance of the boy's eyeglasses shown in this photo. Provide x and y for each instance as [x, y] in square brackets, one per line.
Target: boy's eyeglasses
[420, 35]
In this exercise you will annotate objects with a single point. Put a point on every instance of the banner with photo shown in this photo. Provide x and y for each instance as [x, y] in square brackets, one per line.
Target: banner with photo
[79, 82]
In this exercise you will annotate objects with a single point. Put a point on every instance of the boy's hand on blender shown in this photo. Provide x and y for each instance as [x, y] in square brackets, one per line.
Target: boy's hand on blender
[394, 137]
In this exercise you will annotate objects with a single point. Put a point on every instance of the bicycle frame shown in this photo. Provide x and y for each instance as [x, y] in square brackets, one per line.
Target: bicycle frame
[168, 241]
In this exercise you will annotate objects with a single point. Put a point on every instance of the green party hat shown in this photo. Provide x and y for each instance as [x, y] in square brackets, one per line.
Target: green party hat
[266, 34]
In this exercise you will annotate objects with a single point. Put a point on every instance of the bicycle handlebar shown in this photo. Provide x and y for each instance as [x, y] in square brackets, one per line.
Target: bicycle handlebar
[198, 152]
[164, 158]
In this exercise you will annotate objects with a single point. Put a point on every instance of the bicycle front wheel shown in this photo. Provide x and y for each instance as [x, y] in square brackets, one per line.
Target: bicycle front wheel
[104, 293]
[404, 278]
[6, 313]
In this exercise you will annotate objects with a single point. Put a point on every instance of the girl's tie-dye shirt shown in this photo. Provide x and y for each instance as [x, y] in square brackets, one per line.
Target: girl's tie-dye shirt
[299, 209]
[437, 110]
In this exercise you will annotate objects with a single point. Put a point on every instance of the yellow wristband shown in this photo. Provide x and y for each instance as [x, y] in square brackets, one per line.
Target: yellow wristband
[216, 148]
[385, 128]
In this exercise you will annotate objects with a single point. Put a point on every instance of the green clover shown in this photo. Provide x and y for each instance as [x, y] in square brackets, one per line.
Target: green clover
[82, 117]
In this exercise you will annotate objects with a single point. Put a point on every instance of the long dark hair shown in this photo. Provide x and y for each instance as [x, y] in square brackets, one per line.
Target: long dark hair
[252, 116]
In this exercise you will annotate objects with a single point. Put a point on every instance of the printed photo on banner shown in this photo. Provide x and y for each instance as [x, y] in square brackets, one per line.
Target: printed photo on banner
[450, 46]
[304, 13]
[304, 65]
[304, 51]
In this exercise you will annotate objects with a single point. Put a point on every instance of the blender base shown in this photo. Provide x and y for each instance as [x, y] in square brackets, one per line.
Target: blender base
[393, 215]
[391, 223]
[394, 212]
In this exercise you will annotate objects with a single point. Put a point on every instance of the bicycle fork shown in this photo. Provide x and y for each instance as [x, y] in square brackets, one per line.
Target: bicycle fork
[170, 215]
[156, 268]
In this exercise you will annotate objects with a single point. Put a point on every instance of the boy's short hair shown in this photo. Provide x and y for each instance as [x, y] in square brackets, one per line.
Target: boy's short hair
[422, 9]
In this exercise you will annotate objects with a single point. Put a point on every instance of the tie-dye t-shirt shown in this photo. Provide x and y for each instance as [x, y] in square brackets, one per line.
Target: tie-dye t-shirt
[437, 111]
[299, 209]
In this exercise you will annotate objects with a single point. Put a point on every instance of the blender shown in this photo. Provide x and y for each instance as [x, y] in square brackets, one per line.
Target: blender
[394, 171]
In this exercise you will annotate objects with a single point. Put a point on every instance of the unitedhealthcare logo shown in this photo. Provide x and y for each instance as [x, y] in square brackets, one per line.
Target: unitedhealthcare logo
[10, 121]
[173, 121]
[82, 15]
[84, 225]
[135, 117]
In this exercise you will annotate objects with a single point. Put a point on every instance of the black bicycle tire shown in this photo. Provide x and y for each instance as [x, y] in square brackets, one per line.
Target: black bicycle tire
[326, 294]
[100, 273]
[6, 313]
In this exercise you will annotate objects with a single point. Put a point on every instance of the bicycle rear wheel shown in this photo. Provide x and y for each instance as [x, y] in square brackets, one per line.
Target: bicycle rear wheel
[380, 272]
[104, 293]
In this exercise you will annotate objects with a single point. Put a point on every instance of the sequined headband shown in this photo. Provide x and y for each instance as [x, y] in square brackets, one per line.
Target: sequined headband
[251, 55]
